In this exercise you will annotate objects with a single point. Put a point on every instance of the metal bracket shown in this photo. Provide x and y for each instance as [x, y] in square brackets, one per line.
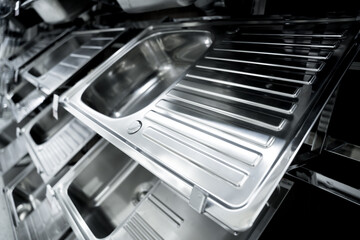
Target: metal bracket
[50, 191]
[324, 121]
[198, 199]
[55, 106]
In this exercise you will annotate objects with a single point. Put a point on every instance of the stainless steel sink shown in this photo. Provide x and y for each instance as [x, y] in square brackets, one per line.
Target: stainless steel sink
[54, 67]
[7, 134]
[24, 98]
[109, 208]
[52, 142]
[21, 92]
[28, 51]
[12, 147]
[219, 111]
[56, 56]
[30, 204]
[144, 72]
[107, 195]
[25, 193]
[48, 126]
[104, 189]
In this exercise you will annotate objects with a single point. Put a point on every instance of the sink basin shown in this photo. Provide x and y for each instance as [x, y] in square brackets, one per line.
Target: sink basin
[12, 147]
[21, 91]
[48, 126]
[25, 98]
[25, 192]
[30, 205]
[7, 135]
[144, 72]
[30, 188]
[43, 66]
[108, 190]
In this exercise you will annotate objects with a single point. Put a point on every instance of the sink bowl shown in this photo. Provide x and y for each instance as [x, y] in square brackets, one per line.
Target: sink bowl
[12, 147]
[104, 188]
[48, 126]
[21, 91]
[30, 188]
[25, 98]
[144, 72]
[52, 143]
[7, 135]
[25, 192]
[30, 204]
[59, 63]
[108, 190]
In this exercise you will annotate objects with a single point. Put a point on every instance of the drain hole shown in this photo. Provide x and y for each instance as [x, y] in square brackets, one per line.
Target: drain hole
[23, 210]
[141, 191]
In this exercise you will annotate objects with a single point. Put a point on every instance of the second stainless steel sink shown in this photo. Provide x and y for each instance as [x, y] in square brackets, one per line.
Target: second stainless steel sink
[25, 193]
[12, 147]
[54, 67]
[48, 126]
[62, 51]
[24, 98]
[107, 195]
[30, 204]
[7, 134]
[103, 190]
[108, 190]
[54, 142]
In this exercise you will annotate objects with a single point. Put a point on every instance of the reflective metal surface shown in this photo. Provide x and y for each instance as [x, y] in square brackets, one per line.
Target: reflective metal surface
[12, 147]
[345, 149]
[25, 193]
[109, 196]
[102, 191]
[33, 214]
[233, 122]
[46, 127]
[25, 98]
[55, 66]
[26, 52]
[328, 184]
[52, 143]
[46, 222]
[162, 58]
[8, 133]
